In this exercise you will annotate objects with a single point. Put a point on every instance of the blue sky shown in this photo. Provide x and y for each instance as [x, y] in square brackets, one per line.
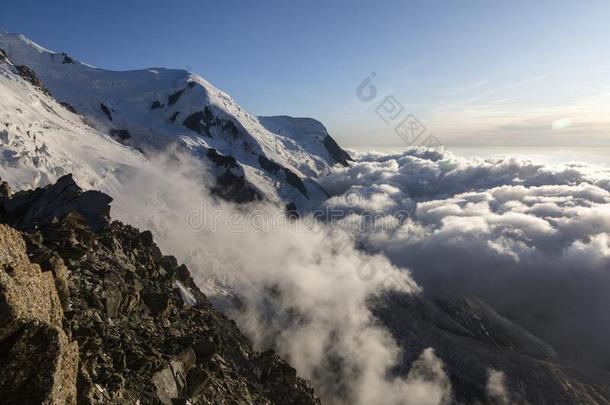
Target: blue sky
[473, 72]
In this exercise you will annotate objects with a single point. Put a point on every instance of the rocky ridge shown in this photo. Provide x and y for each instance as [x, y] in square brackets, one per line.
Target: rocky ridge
[92, 312]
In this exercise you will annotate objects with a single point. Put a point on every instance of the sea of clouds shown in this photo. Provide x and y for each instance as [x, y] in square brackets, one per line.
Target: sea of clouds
[291, 285]
[529, 239]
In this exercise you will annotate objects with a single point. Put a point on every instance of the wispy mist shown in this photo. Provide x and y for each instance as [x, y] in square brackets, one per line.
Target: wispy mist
[292, 285]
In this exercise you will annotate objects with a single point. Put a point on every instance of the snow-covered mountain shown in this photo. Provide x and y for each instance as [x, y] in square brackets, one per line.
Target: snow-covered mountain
[69, 107]
[42, 140]
[303, 293]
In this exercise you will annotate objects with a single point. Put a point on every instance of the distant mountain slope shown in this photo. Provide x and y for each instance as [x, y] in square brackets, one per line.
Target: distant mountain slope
[310, 134]
[152, 108]
[475, 342]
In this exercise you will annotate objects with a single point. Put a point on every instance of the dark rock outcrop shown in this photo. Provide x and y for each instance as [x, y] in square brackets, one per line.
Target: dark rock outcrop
[233, 187]
[67, 59]
[200, 121]
[174, 116]
[68, 107]
[30, 76]
[106, 111]
[135, 326]
[291, 177]
[336, 152]
[121, 135]
[203, 121]
[221, 160]
[268, 165]
[231, 128]
[295, 181]
[30, 209]
[174, 97]
[291, 211]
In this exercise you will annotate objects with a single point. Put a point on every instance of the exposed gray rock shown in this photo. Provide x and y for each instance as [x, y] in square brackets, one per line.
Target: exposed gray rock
[29, 75]
[38, 362]
[29, 209]
[135, 336]
[173, 98]
[106, 111]
[26, 293]
[39, 366]
[336, 152]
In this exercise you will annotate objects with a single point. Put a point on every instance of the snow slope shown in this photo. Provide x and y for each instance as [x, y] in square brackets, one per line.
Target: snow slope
[41, 140]
[153, 108]
[311, 135]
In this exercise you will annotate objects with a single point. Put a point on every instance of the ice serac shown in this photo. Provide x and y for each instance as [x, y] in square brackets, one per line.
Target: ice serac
[151, 109]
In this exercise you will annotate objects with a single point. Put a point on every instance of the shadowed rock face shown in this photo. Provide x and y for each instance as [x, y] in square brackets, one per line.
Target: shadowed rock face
[336, 152]
[471, 339]
[235, 188]
[135, 326]
[201, 121]
[26, 210]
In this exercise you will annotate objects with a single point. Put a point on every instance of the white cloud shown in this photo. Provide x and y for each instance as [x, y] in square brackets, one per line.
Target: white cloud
[301, 291]
[513, 232]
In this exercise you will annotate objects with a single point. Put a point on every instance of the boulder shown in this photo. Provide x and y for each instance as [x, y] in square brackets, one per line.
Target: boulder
[39, 362]
[26, 292]
[12, 246]
[39, 366]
